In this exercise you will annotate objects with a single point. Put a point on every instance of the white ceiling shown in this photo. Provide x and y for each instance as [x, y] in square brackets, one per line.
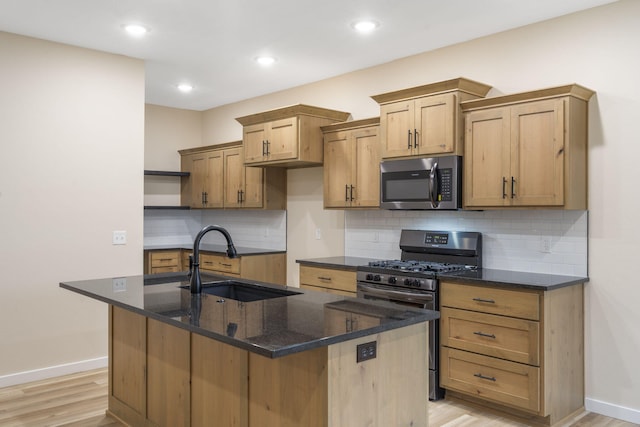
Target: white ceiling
[212, 44]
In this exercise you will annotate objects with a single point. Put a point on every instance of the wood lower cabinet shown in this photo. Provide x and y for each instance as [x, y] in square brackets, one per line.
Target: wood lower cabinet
[218, 178]
[269, 267]
[163, 261]
[425, 120]
[165, 376]
[527, 150]
[515, 349]
[340, 282]
[352, 164]
[287, 137]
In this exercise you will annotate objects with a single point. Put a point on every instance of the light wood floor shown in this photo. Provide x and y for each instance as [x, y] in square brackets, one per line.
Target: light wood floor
[80, 400]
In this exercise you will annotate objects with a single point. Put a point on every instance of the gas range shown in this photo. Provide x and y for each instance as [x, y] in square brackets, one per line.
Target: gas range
[425, 255]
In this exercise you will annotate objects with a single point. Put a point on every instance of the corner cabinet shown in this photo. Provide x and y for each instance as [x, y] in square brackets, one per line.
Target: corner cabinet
[514, 349]
[287, 137]
[527, 150]
[219, 179]
[351, 164]
[425, 120]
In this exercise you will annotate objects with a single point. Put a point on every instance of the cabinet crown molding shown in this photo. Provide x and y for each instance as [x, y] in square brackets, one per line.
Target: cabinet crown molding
[575, 90]
[211, 147]
[458, 84]
[291, 111]
[351, 124]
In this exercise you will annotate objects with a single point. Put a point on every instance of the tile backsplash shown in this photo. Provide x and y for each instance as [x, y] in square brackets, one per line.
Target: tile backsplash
[255, 229]
[541, 241]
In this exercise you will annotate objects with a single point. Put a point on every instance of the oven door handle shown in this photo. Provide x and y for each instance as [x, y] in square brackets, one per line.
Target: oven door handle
[388, 293]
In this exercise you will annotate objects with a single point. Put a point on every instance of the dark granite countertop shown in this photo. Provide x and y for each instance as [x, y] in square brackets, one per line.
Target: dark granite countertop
[514, 279]
[506, 278]
[222, 249]
[337, 262]
[272, 327]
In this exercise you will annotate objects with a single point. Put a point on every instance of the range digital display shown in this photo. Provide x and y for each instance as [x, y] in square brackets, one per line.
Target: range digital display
[436, 238]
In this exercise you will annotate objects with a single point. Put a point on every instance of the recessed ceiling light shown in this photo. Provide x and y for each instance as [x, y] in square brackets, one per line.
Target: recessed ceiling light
[365, 26]
[265, 60]
[185, 87]
[136, 29]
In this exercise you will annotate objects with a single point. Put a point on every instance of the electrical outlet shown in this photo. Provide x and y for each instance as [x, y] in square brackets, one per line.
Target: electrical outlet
[318, 234]
[120, 237]
[366, 351]
[545, 244]
[119, 284]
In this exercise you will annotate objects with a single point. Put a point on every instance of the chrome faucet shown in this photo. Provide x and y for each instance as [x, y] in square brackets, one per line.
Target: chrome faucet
[194, 259]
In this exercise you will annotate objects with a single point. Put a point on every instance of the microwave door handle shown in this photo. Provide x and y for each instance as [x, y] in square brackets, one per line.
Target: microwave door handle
[433, 185]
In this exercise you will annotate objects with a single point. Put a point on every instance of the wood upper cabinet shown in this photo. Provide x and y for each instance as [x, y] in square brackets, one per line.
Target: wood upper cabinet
[425, 120]
[287, 137]
[352, 164]
[220, 179]
[527, 150]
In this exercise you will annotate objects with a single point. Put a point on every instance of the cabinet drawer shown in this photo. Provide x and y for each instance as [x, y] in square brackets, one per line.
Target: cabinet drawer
[328, 278]
[328, 290]
[499, 336]
[509, 383]
[219, 263]
[505, 302]
[165, 259]
[157, 270]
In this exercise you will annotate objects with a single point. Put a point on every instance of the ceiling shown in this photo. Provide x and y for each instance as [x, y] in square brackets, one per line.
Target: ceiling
[213, 44]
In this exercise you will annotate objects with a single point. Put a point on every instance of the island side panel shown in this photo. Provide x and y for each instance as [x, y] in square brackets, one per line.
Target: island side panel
[127, 365]
[168, 374]
[390, 390]
[219, 383]
[290, 391]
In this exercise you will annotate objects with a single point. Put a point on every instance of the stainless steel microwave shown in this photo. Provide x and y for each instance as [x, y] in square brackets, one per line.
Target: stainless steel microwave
[421, 183]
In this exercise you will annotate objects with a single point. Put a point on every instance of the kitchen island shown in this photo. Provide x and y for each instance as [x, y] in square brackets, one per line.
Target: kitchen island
[310, 358]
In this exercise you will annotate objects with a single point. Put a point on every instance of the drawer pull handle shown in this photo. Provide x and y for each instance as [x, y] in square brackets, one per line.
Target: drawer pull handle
[324, 278]
[225, 265]
[166, 259]
[484, 377]
[490, 301]
[482, 334]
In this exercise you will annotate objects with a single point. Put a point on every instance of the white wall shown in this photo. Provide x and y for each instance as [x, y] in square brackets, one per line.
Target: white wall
[597, 48]
[71, 140]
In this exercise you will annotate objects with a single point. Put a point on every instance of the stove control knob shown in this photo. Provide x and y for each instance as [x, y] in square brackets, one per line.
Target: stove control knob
[392, 280]
[407, 282]
[369, 276]
[376, 278]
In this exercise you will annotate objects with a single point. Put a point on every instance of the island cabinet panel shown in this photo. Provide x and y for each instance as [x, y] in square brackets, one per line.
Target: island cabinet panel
[219, 386]
[168, 367]
[290, 391]
[127, 364]
[360, 394]
[519, 350]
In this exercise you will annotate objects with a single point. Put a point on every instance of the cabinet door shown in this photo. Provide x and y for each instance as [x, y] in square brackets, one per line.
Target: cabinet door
[487, 158]
[537, 153]
[233, 178]
[198, 169]
[214, 185]
[396, 129]
[253, 137]
[282, 140]
[367, 168]
[435, 124]
[253, 195]
[338, 164]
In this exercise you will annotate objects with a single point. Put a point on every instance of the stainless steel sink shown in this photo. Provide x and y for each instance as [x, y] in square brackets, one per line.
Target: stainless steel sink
[241, 291]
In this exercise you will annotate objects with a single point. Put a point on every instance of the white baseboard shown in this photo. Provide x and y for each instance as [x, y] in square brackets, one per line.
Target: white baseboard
[53, 371]
[614, 411]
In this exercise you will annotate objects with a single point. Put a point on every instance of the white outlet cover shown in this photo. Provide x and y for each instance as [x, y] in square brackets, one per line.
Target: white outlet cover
[119, 237]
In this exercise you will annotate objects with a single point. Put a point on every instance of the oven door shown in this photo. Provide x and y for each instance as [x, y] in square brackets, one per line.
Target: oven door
[417, 299]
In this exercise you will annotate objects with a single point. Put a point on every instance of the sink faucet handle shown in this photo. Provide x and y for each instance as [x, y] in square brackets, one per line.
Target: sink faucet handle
[190, 265]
